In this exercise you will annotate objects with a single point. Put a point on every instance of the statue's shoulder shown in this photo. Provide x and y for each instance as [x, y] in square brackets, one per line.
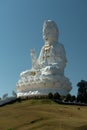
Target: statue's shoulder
[60, 46]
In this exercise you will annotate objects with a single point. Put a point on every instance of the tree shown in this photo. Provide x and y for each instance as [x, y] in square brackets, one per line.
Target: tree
[50, 95]
[68, 97]
[82, 91]
[73, 98]
[56, 96]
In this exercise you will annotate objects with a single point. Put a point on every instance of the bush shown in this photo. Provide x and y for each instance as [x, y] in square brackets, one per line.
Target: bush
[19, 99]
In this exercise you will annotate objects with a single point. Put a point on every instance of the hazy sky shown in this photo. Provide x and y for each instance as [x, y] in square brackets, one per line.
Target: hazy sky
[21, 24]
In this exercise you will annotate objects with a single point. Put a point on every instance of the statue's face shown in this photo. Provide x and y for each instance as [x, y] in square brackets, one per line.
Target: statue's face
[50, 34]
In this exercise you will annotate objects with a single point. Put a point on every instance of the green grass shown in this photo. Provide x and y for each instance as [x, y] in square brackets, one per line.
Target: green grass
[42, 115]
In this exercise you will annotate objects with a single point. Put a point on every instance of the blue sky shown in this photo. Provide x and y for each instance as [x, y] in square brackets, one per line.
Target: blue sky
[21, 24]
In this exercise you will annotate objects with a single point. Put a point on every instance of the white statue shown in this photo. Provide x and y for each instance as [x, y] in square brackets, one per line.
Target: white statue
[34, 58]
[52, 53]
[47, 73]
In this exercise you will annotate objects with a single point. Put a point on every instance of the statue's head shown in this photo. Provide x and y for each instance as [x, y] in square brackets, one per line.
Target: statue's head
[50, 32]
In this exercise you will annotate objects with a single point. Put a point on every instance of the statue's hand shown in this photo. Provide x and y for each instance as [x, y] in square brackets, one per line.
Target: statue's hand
[50, 70]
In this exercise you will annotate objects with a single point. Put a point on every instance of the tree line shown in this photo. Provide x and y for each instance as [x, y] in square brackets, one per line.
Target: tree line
[80, 98]
[81, 94]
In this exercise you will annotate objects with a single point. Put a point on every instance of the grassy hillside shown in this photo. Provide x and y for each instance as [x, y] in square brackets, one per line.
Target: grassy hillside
[42, 115]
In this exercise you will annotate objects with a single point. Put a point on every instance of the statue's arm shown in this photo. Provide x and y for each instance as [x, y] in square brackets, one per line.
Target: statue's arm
[61, 56]
[40, 58]
[33, 57]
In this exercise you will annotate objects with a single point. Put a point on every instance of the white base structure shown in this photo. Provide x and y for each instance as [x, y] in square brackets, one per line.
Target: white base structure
[47, 73]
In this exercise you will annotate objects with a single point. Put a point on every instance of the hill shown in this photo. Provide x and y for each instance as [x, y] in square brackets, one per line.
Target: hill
[42, 115]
